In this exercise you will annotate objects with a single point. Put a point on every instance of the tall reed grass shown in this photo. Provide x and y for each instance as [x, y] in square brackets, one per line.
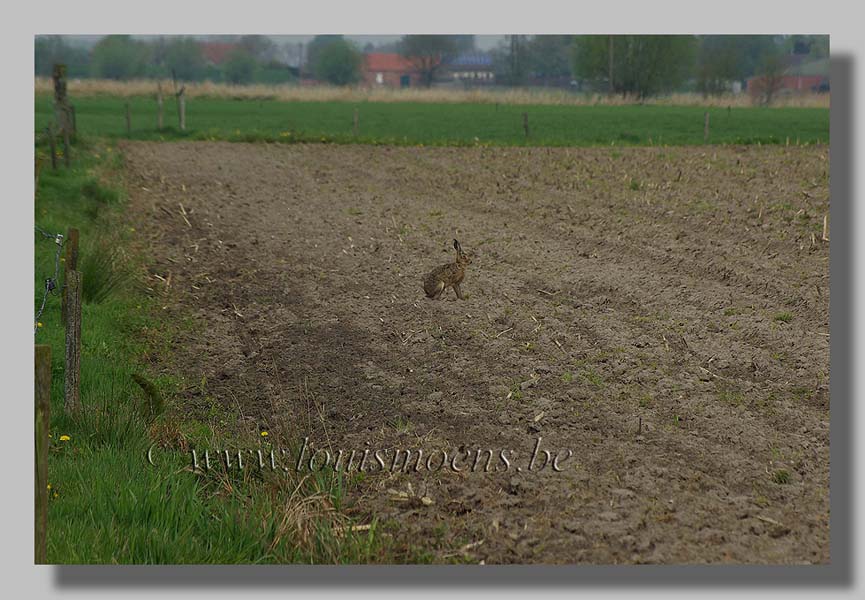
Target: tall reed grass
[324, 93]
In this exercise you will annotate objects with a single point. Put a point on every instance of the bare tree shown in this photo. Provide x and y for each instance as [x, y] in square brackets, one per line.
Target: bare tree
[426, 53]
[771, 80]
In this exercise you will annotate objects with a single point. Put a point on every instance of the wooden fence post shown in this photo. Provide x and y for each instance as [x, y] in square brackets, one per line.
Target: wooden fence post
[66, 158]
[182, 112]
[71, 402]
[159, 107]
[128, 121]
[526, 123]
[61, 103]
[43, 414]
[52, 143]
[706, 128]
[356, 119]
[181, 107]
[70, 264]
[74, 122]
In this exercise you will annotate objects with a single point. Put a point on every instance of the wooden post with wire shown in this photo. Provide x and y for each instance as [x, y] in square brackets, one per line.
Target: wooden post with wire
[128, 121]
[181, 101]
[526, 124]
[706, 128]
[181, 106]
[43, 419]
[72, 398]
[69, 264]
[159, 120]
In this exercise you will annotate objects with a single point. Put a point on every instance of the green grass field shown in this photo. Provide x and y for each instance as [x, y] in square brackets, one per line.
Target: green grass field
[445, 124]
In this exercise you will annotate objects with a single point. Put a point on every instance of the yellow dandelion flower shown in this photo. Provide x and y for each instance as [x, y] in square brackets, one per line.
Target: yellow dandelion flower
[65, 438]
[56, 495]
[38, 323]
[263, 434]
[49, 486]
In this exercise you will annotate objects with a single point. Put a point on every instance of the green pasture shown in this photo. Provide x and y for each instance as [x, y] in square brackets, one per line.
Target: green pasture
[416, 123]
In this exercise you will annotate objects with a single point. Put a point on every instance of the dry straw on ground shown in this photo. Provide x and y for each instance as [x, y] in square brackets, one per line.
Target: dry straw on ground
[92, 87]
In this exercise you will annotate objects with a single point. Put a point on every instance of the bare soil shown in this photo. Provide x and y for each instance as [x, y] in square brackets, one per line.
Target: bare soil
[663, 313]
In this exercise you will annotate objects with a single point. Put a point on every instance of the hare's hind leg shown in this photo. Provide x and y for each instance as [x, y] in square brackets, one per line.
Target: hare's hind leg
[458, 291]
[440, 288]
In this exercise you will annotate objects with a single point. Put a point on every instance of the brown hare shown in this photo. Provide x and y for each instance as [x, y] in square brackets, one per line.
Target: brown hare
[449, 275]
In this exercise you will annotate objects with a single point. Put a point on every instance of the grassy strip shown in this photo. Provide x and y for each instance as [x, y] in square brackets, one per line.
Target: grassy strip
[452, 124]
[107, 504]
[434, 95]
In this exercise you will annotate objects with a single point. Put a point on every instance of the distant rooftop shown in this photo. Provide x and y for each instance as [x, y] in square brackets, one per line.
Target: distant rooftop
[471, 59]
[381, 62]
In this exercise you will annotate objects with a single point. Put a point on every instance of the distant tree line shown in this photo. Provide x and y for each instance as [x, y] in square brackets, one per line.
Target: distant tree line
[252, 59]
[634, 65]
[646, 65]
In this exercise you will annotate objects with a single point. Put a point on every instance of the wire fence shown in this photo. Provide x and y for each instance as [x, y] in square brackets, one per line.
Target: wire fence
[51, 282]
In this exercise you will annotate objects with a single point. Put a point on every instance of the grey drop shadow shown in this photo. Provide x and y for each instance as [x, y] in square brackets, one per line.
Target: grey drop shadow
[842, 124]
[838, 574]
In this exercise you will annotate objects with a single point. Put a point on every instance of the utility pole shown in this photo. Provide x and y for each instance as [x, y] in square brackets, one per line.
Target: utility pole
[516, 60]
[611, 64]
[300, 61]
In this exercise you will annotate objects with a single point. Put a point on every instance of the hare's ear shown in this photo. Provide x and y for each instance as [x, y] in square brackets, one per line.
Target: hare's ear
[457, 246]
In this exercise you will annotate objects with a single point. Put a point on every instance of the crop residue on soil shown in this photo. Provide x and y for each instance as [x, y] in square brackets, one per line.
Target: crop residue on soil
[661, 312]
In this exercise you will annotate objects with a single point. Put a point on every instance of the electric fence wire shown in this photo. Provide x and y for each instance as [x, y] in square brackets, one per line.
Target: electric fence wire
[51, 282]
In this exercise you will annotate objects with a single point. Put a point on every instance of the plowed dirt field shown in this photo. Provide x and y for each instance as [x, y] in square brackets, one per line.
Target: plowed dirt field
[661, 313]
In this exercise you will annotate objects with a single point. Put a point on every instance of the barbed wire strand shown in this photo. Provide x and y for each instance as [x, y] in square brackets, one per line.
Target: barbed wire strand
[51, 282]
[50, 236]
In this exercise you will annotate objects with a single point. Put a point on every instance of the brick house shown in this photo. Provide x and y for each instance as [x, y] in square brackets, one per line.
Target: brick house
[388, 70]
[800, 77]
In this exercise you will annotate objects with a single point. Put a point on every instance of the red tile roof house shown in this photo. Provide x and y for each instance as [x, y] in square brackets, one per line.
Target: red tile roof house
[389, 70]
[790, 84]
